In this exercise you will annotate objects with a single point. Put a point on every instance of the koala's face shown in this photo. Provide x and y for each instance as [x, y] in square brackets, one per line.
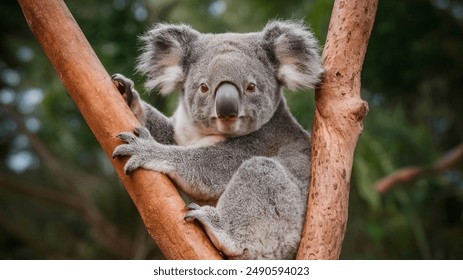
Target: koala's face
[230, 87]
[230, 82]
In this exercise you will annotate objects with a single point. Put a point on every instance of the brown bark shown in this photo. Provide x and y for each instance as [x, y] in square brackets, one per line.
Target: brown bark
[106, 113]
[336, 128]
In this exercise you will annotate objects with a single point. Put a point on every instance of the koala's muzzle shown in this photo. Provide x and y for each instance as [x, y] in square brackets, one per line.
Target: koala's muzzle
[227, 101]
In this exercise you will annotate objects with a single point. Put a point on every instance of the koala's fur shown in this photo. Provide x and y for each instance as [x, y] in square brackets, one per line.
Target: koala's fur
[232, 145]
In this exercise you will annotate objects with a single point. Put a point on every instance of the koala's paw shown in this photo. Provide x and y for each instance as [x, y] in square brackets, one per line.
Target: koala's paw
[138, 148]
[194, 211]
[124, 86]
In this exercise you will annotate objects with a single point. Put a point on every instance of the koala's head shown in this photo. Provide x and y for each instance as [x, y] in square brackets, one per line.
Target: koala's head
[230, 83]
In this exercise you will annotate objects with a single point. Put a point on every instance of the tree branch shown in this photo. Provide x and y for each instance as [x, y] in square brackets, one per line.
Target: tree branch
[336, 128]
[89, 85]
[406, 174]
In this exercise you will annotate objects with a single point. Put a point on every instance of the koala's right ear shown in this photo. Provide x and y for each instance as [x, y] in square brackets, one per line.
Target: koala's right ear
[295, 50]
[166, 47]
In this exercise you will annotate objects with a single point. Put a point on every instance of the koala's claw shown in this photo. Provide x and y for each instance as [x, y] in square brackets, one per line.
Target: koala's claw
[130, 148]
[142, 132]
[130, 166]
[124, 86]
[123, 150]
[132, 137]
[127, 137]
[138, 144]
[193, 206]
[191, 215]
[188, 217]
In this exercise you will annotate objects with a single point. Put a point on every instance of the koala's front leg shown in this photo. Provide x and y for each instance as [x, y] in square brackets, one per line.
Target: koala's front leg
[201, 172]
[160, 127]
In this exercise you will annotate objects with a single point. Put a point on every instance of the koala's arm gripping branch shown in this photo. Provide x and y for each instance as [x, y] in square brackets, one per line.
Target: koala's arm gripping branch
[336, 128]
[106, 113]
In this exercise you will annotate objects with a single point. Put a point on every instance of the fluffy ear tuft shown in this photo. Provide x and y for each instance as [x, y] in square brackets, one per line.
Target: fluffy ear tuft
[165, 48]
[294, 49]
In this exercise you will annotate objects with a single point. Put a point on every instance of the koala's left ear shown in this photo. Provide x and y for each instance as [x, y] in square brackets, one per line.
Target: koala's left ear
[165, 51]
[295, 51]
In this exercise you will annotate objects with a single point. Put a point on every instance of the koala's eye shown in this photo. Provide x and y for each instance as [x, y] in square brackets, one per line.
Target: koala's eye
[251, 87]
[203, 87]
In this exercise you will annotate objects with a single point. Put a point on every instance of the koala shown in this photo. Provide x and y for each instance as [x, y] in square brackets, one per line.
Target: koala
[232, 146]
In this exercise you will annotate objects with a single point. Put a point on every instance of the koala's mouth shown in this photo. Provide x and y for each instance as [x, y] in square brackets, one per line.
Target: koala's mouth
[227, 126]
[232, 127]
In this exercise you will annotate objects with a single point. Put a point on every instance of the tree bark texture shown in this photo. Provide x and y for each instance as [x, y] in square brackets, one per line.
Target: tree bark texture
[105, 111]
[336, 128]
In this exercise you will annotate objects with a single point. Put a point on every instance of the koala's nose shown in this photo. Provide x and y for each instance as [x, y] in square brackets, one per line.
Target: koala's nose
[227, 101]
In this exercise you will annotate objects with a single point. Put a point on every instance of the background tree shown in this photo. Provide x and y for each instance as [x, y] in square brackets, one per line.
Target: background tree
[58, 193]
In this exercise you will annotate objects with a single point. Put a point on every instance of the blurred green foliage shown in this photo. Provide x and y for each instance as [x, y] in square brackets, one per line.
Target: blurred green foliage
[60, 198]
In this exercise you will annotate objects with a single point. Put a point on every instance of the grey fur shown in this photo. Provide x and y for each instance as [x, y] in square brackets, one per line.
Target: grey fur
[250, 172]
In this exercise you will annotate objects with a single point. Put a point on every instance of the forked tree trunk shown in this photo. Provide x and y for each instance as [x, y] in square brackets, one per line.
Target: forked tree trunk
[337, 126]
